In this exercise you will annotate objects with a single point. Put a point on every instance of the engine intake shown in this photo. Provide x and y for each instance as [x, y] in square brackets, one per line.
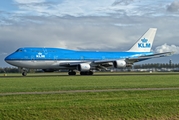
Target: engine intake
[83, 67]
[119, 64]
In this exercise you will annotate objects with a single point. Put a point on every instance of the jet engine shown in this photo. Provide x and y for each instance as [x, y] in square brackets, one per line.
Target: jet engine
[83, 67]
[119, 64]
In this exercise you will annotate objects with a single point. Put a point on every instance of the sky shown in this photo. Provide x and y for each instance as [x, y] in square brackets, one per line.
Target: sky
[102, 25]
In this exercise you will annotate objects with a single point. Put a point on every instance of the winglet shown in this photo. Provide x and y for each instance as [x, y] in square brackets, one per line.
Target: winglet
[144, 44]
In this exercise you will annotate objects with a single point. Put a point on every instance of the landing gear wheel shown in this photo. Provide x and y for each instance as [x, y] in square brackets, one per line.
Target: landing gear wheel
[24, 73]
[71, 73]
[90, 72]
[86, 73]
[83, 73]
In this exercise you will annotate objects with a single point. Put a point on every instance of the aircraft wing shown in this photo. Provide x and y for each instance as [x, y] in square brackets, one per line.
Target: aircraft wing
[137, 59]
[130, 61]
[108, 63]
[70, 63]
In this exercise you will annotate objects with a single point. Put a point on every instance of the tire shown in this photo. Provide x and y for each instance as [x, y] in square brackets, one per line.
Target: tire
[24, 73]
[72, 73]
[86, 73]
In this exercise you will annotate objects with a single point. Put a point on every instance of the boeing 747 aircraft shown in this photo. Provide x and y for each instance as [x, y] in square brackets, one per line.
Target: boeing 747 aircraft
[53, 59]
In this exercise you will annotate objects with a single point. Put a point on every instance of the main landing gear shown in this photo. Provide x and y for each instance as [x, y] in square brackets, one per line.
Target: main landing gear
[71, 72]
[86, 73]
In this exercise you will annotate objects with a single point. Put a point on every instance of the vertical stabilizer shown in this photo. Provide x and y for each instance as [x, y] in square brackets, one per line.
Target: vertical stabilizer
[144, 44]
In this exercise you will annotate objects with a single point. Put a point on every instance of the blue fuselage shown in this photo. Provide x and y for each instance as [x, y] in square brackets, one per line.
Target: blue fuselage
[65, 54]
[55, 58]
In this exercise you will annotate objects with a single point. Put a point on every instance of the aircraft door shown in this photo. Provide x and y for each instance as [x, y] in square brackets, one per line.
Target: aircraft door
[32, 58]
[45, 51]
[55, 58]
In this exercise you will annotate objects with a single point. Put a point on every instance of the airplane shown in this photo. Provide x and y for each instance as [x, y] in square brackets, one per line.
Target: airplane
[54, 59]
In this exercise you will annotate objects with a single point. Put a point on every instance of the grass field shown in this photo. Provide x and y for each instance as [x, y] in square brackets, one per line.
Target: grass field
[141, 104]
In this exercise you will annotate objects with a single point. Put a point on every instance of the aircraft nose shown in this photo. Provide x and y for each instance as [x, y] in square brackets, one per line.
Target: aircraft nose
[7, 58]
[10, 60]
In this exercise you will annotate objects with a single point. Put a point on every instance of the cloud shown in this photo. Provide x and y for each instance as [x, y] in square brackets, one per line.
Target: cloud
[78, 8]
[29, 1]
[3, 54]
[62, 8]
[119, 2]
[173, 7]
[167, 48]
[78, 33]
[90, 33]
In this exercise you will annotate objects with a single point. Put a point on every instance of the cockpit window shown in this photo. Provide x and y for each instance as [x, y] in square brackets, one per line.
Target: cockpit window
[19, 50]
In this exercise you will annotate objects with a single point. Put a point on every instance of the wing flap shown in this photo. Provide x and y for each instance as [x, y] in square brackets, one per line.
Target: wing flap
[103, 61]
[70, 63]
[146, 57]
[133, 60]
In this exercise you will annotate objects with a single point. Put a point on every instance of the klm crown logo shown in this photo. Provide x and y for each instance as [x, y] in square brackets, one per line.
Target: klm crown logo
[144, 40]
[144, 43]
[40, 55]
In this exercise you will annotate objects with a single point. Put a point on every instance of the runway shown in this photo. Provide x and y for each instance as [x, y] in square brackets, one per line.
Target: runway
[95, 74]
[85, 91]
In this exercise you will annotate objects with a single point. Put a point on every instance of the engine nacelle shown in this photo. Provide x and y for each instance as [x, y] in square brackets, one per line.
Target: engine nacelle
[83, 67]
[119, 64]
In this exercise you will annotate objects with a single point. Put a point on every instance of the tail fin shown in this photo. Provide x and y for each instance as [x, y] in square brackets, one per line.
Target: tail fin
[144, 44]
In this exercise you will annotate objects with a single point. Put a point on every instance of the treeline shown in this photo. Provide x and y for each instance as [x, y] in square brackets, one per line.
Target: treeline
[140, 66]
[156, 65]
[14, 70]
[9, 70]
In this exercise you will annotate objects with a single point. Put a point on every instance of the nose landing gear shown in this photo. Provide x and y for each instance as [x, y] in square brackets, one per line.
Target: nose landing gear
[71, 72]
[24, 73]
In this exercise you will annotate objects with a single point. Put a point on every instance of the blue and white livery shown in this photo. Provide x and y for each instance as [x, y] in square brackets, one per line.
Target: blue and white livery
[52, 59]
